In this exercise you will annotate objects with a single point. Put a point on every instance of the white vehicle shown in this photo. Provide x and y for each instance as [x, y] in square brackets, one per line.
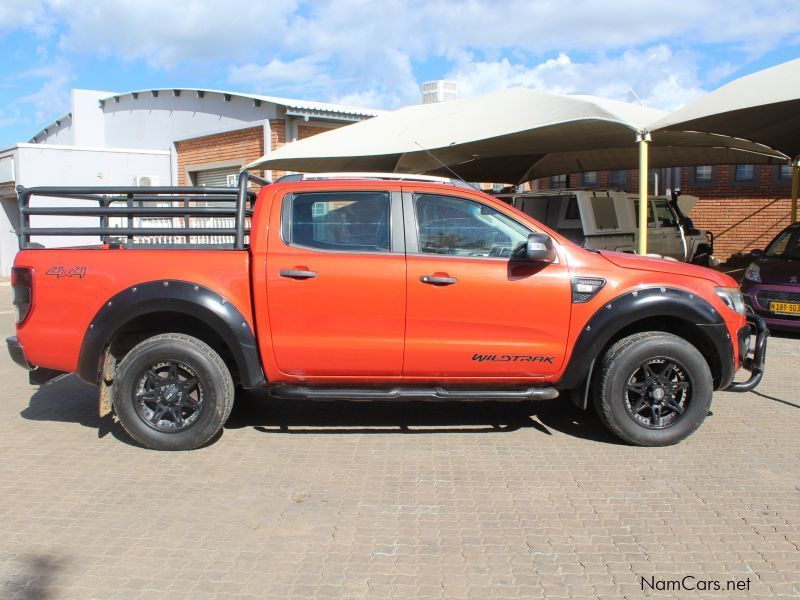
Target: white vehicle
[607, 220]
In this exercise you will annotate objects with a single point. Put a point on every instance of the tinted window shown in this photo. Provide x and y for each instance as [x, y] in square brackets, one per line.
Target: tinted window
[786, 245]
[572, 213]
[666, 218]
[650, 221]
[464, 228]
[354, 221]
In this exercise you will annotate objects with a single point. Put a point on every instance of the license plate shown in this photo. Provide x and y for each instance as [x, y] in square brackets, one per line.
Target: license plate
[786, 308]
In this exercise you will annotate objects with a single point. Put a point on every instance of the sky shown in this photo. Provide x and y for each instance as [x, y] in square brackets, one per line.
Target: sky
[376, 53]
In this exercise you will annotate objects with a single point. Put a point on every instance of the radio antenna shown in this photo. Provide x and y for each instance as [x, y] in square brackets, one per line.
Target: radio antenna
[434, 157]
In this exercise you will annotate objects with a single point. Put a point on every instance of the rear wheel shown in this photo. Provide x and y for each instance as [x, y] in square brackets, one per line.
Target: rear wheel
[653, 389]
[172, 392]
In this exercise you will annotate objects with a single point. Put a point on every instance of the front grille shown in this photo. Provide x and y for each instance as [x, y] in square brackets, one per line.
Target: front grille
[767, 296]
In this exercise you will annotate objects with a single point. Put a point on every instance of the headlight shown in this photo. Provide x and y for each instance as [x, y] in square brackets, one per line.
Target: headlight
[732, 297]
[753, 273]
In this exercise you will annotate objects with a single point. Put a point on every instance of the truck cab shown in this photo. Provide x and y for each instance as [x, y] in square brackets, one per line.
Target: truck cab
[364, 287]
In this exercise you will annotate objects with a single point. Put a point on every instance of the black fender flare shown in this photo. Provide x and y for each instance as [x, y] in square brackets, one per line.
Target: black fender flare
[178, 297]
[644, 303]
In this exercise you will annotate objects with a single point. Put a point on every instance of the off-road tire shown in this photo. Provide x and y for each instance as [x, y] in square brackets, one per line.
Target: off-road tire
[214, 384]
[613, 399]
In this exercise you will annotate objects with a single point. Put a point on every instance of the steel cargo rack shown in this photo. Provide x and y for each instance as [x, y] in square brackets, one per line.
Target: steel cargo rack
[135, 216]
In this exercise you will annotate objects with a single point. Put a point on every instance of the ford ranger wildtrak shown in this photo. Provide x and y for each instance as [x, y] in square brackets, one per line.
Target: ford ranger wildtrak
[373, 287]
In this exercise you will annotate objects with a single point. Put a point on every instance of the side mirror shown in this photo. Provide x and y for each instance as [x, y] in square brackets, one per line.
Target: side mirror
[539, 248]
[757, 253]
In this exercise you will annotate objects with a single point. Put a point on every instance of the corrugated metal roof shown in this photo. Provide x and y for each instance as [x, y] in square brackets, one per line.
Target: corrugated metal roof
[316, 108]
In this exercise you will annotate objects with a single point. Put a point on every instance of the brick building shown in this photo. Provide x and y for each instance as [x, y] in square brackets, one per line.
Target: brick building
[745, 206]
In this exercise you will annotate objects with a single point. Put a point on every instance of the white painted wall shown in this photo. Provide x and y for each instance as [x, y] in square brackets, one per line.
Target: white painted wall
[156, 123]
[88, 123]
[46, 164]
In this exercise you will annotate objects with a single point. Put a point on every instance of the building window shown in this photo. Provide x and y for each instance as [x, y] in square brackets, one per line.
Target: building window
[589, 179]
[558, 181]
[704, 174]
[744, 173]
[617, 179]
[785, 173]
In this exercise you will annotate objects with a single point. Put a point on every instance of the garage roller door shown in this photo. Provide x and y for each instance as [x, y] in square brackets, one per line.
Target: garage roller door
[216, 177]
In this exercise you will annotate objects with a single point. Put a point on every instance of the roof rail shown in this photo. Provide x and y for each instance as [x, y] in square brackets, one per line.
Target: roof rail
[368, 175]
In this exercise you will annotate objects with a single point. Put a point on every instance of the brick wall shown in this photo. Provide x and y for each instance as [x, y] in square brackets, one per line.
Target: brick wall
[246, 145]
[305, 131]
[277, 139]
[742, 215]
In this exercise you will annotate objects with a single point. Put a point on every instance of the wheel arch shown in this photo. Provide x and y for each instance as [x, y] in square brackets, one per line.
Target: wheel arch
[651, 309]
[170, 306]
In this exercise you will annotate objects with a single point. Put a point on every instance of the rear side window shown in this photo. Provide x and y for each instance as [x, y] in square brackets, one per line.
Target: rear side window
[345, 221]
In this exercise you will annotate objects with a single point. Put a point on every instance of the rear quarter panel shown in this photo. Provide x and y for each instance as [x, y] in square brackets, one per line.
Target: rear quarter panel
[64, 306]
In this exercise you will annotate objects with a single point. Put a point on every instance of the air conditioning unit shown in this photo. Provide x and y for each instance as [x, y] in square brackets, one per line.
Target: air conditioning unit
[233, 180]
[145, 181]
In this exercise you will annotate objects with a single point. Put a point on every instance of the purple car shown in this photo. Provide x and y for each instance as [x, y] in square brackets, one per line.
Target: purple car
[771, 284]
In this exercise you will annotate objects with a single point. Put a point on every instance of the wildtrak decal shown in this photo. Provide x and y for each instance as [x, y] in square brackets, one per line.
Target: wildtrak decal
[512, 358]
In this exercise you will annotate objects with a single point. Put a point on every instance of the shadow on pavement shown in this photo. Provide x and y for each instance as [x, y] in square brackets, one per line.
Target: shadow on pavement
[273, 416]
[69, 400]
[36, 579]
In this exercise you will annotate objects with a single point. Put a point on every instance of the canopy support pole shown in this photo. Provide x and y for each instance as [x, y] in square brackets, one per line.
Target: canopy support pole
[643, 139]
[795, 177]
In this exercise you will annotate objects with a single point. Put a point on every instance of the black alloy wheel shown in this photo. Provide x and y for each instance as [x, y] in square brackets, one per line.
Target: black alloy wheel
[657, 394]
[169, 396]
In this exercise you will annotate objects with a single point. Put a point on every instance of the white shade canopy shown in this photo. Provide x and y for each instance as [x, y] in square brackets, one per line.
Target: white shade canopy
[763, 107]
[509, 136]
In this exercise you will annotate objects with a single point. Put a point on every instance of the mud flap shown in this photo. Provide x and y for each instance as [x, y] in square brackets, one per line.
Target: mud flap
[106, 384]
[580, 395]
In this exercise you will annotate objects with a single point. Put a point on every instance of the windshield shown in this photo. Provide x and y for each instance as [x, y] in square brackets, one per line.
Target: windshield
[786, 245]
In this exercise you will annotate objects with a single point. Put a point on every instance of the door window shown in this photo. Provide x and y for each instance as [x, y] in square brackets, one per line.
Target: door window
[345, 221]
[650, 220]
[460, 227]
[666, 218]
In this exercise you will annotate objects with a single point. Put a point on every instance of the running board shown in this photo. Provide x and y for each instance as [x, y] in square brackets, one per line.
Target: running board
[290, 392]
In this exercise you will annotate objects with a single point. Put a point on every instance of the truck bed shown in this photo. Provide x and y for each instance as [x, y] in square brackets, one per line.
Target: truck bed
[84, 279]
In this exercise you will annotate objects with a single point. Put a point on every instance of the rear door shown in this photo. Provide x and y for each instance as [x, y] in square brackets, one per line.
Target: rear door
[336, 284]
[472, 310]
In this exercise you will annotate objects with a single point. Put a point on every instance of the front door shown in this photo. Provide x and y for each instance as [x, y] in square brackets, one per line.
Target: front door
[336, 284]
[473, 311]
[669, 234]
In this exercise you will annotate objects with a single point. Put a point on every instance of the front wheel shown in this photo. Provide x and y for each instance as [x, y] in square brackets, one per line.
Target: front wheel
[172, 392]
[654, 389]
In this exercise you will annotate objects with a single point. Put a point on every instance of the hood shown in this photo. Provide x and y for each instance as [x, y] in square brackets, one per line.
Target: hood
[780, 271]
[673, 267]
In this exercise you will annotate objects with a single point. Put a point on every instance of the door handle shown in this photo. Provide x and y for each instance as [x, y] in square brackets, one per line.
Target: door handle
[436, 280]
[297, 274]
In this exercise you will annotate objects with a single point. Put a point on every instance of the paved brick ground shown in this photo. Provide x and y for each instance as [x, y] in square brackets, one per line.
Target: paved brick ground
[374, 501]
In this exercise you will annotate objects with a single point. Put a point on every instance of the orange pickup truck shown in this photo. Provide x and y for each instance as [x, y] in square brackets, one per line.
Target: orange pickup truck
[362, 287]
